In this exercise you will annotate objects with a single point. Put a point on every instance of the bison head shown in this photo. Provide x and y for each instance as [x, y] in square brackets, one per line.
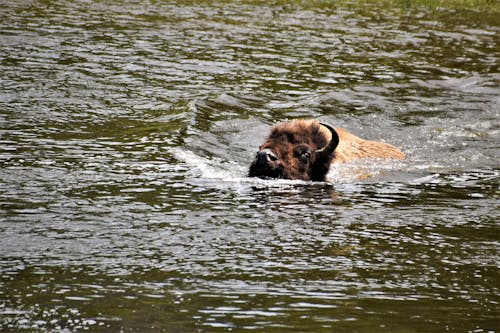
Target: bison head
[300, 149]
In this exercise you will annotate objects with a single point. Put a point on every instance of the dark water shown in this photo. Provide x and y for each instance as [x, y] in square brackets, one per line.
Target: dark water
[127, 128]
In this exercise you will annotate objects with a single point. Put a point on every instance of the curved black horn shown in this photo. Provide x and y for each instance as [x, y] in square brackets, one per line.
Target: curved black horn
[330, 146]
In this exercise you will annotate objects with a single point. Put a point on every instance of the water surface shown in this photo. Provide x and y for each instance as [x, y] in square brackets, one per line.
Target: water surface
[127, 129]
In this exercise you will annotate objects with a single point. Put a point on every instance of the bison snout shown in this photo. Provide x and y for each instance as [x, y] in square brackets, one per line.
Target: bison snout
[266, 164]
[266, 156]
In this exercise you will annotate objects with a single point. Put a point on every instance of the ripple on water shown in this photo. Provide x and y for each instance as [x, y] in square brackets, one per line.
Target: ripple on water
[127, 130]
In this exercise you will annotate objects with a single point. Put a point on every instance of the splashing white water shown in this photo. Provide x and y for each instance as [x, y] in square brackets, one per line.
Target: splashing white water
[219, 170]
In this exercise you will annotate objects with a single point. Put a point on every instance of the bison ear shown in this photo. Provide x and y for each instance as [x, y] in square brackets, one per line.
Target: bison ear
[327, 150]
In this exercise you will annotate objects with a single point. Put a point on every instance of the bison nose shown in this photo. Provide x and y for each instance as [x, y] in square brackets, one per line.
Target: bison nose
[266, 156]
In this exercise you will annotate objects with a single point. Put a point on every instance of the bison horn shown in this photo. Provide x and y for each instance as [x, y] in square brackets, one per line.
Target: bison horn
[324, 152]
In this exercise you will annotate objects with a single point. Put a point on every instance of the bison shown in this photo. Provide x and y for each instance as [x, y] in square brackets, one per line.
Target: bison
[304, 149]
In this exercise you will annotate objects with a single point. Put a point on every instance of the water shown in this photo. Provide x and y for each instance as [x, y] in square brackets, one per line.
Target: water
[127, 129]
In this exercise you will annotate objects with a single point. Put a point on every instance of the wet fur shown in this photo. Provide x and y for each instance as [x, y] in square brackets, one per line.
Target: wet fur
[352, 147]
[284, 137]
[287, 137]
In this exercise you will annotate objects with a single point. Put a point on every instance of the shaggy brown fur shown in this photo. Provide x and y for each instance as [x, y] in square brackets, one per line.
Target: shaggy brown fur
[293, 151]
[352, 147]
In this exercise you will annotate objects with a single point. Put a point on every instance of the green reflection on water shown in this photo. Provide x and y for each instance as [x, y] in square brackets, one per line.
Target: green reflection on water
[105, 227]
[476, 5]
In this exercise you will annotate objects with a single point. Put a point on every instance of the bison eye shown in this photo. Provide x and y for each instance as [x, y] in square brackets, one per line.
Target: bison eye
[303, 153]
[305, 157]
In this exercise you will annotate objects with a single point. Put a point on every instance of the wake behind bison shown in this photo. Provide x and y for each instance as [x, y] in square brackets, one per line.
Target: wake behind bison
[305, 149]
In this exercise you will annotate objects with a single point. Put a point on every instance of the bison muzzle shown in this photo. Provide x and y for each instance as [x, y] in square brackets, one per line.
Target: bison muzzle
[304, 149]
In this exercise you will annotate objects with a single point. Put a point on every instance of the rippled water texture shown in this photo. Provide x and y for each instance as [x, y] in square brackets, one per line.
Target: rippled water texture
[127, 129]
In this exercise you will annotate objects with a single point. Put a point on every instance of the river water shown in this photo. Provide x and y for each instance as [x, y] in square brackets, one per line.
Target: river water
[127, 128]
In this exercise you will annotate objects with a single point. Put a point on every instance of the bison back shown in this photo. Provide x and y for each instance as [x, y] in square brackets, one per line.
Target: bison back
[352, 147]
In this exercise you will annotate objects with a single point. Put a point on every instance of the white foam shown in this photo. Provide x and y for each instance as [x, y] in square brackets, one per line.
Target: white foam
[213, 168]
[363, 169]
[220, 170]
[216, 169]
